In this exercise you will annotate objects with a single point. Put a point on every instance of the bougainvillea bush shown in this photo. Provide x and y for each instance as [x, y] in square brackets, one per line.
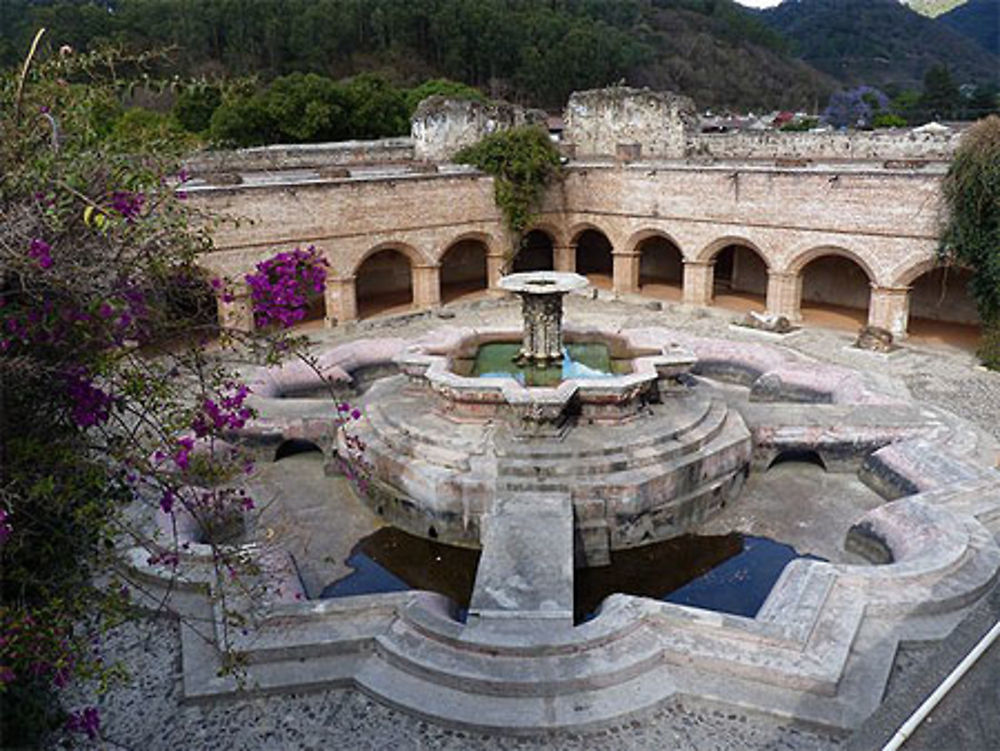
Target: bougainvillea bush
[114, 385]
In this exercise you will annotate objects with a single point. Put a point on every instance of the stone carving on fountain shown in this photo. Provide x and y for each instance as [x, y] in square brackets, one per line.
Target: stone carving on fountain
[541, 294]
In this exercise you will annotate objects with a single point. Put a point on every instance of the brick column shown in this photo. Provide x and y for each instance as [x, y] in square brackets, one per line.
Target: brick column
[426, 286]
[495, 267]
[236, 314]
[889, 308]
[784, 295]
[698, 278]
[626, 272]
[564, 257]
[341, 301]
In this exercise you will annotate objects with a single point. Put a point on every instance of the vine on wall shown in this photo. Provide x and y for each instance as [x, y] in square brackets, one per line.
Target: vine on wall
[523, 162]
[971, 235]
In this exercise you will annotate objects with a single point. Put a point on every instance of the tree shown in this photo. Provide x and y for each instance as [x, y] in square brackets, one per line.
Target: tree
[971, 234]
[855, 108]
[112, 408]
[941, 98]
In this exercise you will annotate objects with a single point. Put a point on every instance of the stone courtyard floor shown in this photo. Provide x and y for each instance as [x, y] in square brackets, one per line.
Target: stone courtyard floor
[146, 712]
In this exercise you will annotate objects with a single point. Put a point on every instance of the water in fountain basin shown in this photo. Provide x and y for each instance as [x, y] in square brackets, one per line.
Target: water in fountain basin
[580, 360]
[727, 573]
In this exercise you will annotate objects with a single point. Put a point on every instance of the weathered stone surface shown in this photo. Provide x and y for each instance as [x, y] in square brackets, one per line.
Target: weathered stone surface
[442, 126]
[875, 339]
[653, 124]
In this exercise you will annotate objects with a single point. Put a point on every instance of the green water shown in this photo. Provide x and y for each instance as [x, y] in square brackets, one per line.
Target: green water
[581, 360]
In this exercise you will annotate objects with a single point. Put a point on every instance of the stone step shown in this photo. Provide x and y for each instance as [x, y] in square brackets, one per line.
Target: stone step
[514, 714]
[469, 668]
[625, 481]
[668, 422]
[447, 449]
[622, 456]
[527, 560]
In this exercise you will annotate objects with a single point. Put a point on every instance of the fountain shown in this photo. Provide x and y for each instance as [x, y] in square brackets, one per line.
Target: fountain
[637, 453]
[541, 294]
[545, 485]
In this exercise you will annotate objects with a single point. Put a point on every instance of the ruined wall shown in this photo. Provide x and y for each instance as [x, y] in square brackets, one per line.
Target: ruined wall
[598, 121]
[634, 124]
[441, 126]
[303, 156]
[889, 218]
[874, 145]
[348, 219]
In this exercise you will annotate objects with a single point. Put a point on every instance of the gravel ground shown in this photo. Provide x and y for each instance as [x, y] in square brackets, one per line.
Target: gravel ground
[146, 714]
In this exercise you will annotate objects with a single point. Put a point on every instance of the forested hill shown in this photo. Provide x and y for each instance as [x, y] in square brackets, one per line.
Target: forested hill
[879, 42]
[532, 51]
[978, 20]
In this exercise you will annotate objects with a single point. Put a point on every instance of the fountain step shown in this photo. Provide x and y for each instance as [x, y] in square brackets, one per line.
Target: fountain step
[522, 572]
[514, 714]
[467, 667]
[728, 446]
[625, 455]
[667, 422]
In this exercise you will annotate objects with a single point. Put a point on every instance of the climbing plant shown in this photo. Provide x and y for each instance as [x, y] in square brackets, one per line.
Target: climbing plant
[523, 161]
[971, 234]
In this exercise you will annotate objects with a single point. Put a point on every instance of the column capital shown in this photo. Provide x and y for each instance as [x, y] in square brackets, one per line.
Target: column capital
[696, 263]
[889, 290]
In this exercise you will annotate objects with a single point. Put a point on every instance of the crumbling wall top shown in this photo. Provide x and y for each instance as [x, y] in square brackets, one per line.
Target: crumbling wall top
[441, 125]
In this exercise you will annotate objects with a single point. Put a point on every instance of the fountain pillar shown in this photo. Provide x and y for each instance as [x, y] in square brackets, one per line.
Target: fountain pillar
[541, 294]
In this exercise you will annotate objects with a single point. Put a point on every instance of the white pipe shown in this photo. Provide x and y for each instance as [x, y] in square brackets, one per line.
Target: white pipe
[911, 724]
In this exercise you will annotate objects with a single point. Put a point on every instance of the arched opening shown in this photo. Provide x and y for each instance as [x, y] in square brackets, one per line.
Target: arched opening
[798, 456]
[942, 310]
[463, 270]
[661, 268]
[835, 293]
[593, 258]
[535, 253]
[384, 283]
[740, 279]
[294, 446]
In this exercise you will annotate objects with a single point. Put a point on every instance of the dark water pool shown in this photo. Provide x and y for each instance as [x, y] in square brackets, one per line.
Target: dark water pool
[728, 573]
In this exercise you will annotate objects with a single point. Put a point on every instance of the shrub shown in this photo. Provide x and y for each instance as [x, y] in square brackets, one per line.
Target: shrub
[522, 161]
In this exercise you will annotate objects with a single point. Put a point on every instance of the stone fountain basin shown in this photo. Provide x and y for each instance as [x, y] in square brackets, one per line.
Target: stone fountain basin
[654, 372]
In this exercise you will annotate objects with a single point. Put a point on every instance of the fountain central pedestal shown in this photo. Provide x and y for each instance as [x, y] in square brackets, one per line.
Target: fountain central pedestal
[541, 294]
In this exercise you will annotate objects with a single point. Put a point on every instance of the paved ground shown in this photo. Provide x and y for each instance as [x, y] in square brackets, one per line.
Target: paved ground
[146, 713]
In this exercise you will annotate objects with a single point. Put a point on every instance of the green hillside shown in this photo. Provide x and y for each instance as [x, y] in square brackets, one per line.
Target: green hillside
[878, 42]
[525, 50]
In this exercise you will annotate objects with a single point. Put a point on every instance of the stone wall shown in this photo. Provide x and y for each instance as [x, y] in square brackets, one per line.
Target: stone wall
[441, 126]
[901, 145]
[614, 120]
[303, 156]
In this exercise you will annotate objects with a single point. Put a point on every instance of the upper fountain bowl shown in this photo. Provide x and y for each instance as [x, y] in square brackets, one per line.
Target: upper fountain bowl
[543, 282]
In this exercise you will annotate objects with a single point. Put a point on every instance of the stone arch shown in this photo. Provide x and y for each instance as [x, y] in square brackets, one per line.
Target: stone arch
[739, 273]
[712, 249]
[464, 268]
[835, 286]
[383, 279]
[594, 259]
[536, 253]
[415, 257]
[941, 309]
[661, 264]
[294, 446]
[802, 259]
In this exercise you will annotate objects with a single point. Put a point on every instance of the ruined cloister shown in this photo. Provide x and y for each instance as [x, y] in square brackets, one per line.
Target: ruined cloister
[835, 244]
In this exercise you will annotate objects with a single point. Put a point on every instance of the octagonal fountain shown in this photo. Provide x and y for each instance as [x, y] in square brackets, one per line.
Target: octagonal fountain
[625, 447]
[551, 448]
